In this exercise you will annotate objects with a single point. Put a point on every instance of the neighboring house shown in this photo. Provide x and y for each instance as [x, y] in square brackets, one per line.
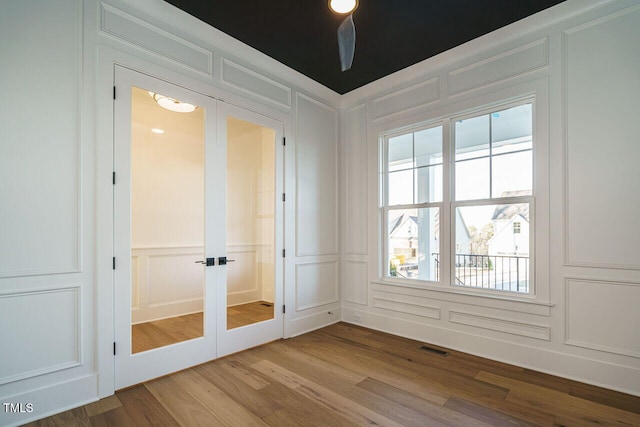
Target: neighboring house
[511, 230]
[422, 254]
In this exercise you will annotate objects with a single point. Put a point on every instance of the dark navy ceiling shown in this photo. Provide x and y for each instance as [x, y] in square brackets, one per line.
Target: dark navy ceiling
[390, 34]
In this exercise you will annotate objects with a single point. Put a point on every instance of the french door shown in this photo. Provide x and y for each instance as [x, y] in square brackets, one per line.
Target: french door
[250, 293]
[198, 228]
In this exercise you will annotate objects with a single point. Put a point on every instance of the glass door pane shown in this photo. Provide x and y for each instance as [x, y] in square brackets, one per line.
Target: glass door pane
[167, 221]
[251, 216]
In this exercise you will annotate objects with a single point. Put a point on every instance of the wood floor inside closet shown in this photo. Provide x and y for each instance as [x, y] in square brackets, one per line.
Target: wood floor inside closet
[344, 375]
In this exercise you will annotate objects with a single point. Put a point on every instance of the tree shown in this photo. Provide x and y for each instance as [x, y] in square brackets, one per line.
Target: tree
[480, 239]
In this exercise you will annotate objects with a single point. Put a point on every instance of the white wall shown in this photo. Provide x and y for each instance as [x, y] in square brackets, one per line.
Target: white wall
[579, 60]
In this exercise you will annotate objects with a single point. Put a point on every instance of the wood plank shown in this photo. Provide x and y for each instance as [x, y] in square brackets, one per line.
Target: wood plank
[348, 409]
[225, 408]
[432, 414]
[484, 414]
[304, 411]
[236, 389]
[245, 374]
[144, 408]
[103, 405]
[570, 409]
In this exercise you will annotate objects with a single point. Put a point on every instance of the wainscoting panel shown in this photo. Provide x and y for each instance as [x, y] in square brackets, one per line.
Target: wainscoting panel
[356, 282]
[602, 201]
[420, 94]
[355, 176]
[255, 84]
[316, 284]
[316, 178]
[603, 315]
[40, 153]
[509, 64]
[149, 37]
[242, 276]
[170, 283]
[405, 304]
[540, 332]
[40, 332]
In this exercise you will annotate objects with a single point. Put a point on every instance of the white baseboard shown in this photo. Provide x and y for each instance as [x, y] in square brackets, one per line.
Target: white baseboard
[50, 400]
[302, 325]
[612, 376]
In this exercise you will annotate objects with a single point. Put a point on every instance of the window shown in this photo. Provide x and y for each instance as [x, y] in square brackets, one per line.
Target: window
[490, 181]
[413, 172]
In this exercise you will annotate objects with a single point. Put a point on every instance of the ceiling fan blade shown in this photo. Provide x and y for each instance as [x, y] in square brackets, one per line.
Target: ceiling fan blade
[347, 42]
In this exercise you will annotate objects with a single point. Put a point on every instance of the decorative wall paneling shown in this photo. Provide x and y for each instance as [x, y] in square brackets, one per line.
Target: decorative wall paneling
[601, 135]
[316, 284]
[355, 281]
[316, 271]
[133, 30]
[603, 315]
[41, 332]
[501, 67]
[245, 276]
[253, 83]
[419, 94]
[41, 152]
[316, 178]
[166, 282]
[405, 304]
[502, 325]
[47, 201]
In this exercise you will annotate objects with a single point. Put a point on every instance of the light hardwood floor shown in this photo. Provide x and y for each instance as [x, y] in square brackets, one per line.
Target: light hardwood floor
[159, 333]
[345, 375]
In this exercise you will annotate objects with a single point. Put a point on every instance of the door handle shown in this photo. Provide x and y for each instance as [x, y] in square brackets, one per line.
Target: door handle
[223, 260]
[208, 262]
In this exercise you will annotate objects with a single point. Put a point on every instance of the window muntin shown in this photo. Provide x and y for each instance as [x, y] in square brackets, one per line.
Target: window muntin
[490, 178]
[414, 167]
[493, 154]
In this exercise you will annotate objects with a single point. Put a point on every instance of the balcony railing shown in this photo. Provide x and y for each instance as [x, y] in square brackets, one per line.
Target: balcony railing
[499, 272]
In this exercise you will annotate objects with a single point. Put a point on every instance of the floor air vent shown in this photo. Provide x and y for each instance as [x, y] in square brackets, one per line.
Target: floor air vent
[434, 350]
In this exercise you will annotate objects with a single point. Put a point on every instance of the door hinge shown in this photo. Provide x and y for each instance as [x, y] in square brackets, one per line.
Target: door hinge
[284, 253]
[284, 309]
[113, 178]
[284, 141]
[114, 263]
[284, 197]
[114, 348]
[114, 92]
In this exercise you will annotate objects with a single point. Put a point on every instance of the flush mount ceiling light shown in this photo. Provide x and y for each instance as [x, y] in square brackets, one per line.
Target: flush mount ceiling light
[172, 104]
[343, 6]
